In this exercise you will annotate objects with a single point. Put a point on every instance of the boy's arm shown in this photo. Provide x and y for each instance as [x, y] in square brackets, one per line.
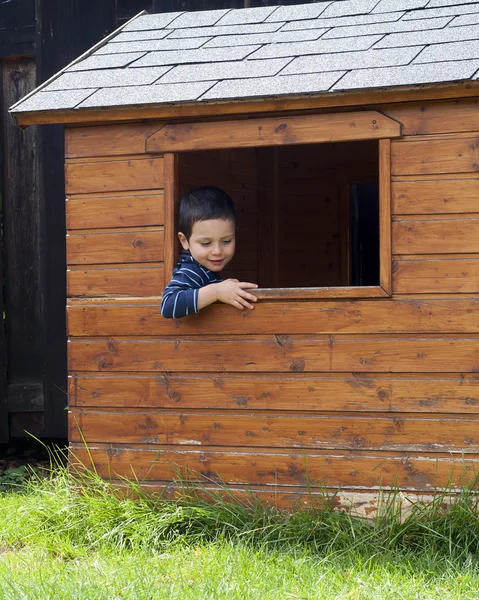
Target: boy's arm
[179, 298]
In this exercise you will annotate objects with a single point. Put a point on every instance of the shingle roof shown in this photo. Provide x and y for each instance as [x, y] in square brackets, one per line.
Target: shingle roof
[268, 51]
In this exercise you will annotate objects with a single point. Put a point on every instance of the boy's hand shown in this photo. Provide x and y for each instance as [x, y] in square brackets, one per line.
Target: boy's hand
[232, 291]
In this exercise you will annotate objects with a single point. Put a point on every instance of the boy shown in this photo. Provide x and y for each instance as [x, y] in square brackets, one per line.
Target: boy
[207, 227]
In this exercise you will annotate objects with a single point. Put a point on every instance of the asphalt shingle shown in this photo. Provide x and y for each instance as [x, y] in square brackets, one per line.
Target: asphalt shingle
[351, 60]
[151, 46]
[465, 20]
[54, 100]
[202, 18]
[225, 70]
[242, 16]
[136, 36]
[265, 38]
[106, 78]
[317, 47]
[298, 12]
[158, 21]
[429, 13]
[388, 27]
[176, 57]
[437, 36]
[220, 30]
[456, 51]
[106, 61]
[153, 94]
[273, 86]
[391, 5]
[409, 75]
[343, 21]
[439, 3]
[349, 7]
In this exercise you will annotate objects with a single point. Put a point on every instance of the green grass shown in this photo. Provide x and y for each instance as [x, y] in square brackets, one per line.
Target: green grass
[66, 538]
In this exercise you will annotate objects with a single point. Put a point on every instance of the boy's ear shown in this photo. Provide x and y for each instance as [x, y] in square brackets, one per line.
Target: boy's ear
[183, 240]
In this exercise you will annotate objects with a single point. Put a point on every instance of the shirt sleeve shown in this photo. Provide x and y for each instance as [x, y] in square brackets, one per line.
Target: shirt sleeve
[180, 297]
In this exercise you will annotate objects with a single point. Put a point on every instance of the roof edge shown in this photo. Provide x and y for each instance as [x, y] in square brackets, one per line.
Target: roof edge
[347, 98]
[88, 52]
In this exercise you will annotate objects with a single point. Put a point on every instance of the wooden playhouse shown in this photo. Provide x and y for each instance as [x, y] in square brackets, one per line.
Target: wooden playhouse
[347, 133]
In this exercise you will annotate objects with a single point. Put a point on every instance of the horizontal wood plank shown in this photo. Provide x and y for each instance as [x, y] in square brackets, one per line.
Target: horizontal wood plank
[435, 196]
[107, 140]
[233, 428]
[119, 280]
[129, 246]
[341, 316]
[134, 210]
[441, 274]
[435, 236]
[247, 133]
[399, 354]
[422, 393]
[446, 116]
[306, 468]
[114, 175]
[440, 155]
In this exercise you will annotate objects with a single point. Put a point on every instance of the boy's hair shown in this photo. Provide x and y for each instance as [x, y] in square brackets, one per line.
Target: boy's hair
[203, 204]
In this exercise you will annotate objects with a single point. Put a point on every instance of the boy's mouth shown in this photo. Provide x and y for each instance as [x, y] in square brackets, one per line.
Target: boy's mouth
[217, 261]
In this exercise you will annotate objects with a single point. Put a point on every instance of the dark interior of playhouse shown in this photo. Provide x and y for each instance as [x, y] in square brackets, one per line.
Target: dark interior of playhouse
[308, 215]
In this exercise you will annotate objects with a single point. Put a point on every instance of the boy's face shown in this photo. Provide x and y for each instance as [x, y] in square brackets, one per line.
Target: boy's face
[212, 243]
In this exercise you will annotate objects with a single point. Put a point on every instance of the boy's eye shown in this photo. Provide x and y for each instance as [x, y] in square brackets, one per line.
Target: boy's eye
[205, 243]
[227, 241]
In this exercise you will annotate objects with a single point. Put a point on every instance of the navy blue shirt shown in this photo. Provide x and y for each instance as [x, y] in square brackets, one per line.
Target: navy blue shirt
[180, 297]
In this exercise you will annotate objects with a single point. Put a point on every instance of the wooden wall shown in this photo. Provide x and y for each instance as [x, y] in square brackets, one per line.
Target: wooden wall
[350, 393]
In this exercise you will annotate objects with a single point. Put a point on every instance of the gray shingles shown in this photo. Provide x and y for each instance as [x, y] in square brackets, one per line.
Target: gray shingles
[225, 70]
[53, 100]
[106, 61]
[151, 46]
[106, 78]
[343, 21]
[298, 12]
[456, 51]
[273, 86]
[317, 47]
[428, 13]
[153, 94]
[177, 57]
[202, 18]
[135, 36]
[437, 36]
[390, 5]
[242, 16]
[158, 21]
[465, 20]
[410, 75]
[391, 27]
[351, 60]
[349, 7]
[440, 3]
[226, 30]
[265, 38]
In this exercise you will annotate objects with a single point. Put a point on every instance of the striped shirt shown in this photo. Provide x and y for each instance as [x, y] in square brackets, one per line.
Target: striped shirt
[180, 297]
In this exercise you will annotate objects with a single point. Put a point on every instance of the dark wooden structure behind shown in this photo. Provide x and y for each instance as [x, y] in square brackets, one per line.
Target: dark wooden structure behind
[356, 391]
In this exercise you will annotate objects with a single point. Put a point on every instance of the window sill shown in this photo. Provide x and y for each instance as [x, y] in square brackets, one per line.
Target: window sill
[318, 293]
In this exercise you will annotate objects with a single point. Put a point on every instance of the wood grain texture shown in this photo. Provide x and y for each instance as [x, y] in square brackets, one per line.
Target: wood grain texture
[344, 392]
[432, 195]
[402, 433]
[385, 264]
[436, 236]
[126, 246]
[306, 468]
[346, 316]
[107, 140]
[119, 280]
[280, 131]
[114, 175]
[171, 196]
[442, 274]
[437, 116]
[373, 354]
[133, 210]
[458, 153]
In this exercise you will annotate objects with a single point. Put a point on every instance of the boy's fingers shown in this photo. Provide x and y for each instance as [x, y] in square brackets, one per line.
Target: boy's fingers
[245, 285]
[236, 304]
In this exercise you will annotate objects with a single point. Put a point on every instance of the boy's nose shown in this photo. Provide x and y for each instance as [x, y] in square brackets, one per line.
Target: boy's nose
[216, 250]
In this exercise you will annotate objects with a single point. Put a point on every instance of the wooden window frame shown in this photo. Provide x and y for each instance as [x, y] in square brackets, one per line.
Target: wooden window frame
[169, 140]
